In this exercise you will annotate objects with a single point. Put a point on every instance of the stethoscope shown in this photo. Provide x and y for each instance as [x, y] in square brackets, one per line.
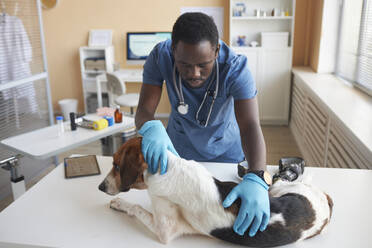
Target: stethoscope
[183, 108]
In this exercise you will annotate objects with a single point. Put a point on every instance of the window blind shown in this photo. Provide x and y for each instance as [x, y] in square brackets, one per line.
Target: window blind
[364, 75]
[354, 62]
[25, 102]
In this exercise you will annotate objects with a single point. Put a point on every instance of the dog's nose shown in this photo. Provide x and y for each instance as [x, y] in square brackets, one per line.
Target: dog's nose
[102, 187]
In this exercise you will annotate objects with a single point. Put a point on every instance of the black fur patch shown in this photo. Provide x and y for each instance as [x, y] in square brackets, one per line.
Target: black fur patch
[224, 189]
[297, 213]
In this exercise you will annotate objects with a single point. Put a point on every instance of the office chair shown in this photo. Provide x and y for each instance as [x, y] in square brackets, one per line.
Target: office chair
[116, 91]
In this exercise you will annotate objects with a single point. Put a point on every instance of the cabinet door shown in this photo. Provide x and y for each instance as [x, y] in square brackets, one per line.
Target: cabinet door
[253, 60]
[275, 86]
[253, 57]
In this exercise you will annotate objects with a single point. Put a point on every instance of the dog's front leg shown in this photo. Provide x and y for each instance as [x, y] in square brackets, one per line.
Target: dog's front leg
[166, 222]
[134, 210]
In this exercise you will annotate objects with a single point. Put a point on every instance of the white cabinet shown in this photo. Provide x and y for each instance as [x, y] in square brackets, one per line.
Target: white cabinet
[104, 58]
[323, 138]
[274, 85]
[270, 65]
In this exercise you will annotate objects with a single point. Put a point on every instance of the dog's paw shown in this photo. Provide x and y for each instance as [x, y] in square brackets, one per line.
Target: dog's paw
[122, 205]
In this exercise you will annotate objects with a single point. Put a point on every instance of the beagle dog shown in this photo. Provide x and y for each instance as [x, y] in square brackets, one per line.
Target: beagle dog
[188, 200]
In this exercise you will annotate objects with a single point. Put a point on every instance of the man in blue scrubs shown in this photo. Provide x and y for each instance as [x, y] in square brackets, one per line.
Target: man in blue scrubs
[214, 114]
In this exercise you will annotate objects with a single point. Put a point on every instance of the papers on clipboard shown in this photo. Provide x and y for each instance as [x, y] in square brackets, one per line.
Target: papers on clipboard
[81, 166]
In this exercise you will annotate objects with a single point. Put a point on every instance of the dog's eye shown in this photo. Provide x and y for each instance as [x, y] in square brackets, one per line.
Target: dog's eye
[116, 167]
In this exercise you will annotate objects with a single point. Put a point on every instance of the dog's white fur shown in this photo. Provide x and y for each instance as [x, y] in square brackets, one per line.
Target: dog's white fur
[317, 198]
[181, 197]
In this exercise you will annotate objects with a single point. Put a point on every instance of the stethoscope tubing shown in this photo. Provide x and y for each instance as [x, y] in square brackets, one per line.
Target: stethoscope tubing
[181, 98]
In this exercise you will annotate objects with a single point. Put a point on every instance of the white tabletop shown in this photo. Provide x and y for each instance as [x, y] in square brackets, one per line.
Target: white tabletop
[63, 212]
[45, 142]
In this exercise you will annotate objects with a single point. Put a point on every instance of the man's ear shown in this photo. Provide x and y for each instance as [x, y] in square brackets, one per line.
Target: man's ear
[173, 48]
[217, 49]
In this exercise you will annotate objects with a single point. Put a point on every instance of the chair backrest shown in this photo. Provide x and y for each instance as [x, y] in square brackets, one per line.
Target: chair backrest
[115, 86]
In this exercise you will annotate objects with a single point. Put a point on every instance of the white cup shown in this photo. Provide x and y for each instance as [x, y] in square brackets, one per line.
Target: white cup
[67, 106]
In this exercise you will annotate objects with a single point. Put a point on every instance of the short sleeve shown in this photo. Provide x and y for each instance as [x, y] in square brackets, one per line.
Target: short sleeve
[242, 83]
[151, 71]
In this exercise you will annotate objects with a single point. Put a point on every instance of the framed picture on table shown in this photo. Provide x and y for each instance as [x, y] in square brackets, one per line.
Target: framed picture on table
[100, 38]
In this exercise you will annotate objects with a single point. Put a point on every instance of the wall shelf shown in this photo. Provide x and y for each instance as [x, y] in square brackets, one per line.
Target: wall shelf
[88, 77]
[94, 71]
[270, 62]
[256, 48]
[268, 18]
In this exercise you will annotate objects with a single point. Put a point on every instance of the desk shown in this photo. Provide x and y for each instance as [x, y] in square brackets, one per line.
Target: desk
[45, 142]
[127, 75]
[62, 212]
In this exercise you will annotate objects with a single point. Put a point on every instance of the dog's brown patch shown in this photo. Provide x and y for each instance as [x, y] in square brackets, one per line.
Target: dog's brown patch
[320, 230]
[131, 163]
[326, 221]
[330, 204]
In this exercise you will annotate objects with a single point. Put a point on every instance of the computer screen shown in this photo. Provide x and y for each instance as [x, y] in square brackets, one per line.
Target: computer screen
[139, 45]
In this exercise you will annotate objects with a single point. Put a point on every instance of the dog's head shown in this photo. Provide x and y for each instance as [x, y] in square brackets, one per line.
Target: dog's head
[127, 171]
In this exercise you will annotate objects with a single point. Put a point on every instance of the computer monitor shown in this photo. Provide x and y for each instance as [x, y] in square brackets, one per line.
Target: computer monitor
[140, 44]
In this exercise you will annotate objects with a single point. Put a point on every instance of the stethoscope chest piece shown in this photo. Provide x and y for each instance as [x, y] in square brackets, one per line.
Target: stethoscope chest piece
[183, 108]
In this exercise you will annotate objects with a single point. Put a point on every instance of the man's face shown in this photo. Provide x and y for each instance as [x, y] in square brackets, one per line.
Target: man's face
[195, 62]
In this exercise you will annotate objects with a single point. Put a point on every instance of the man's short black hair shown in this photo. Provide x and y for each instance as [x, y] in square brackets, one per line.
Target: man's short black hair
[193, 28]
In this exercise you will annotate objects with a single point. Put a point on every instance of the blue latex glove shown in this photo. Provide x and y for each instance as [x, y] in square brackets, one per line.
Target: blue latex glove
[255, 207]
[155, 143]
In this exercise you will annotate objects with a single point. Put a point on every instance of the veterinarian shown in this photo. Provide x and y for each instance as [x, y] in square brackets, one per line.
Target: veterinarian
[214, 114]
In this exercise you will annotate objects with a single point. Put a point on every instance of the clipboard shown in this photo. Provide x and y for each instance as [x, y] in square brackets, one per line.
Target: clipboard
[81, 166]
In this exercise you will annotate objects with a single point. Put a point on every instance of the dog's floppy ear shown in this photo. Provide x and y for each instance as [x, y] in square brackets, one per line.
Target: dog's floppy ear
[133, 164]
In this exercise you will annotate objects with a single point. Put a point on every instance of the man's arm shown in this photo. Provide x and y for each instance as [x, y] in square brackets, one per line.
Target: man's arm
[246, 112]
[148, 102]
[155, 140]
[254, 210]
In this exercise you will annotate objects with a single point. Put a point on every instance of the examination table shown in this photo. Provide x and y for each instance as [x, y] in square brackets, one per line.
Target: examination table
[59, 212]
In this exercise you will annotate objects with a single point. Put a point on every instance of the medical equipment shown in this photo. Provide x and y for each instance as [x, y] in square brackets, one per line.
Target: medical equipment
[183, 107]
[96, 125]
[17, 180]
[110, 120]
[118, 115]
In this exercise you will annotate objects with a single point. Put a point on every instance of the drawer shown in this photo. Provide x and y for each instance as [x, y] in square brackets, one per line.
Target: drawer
[91, 87]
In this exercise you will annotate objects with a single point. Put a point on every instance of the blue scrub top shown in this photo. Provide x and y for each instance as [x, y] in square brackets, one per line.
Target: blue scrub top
[220, 140]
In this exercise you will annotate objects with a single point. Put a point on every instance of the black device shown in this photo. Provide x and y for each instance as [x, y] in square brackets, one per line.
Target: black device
[72, 121]
[290, 168]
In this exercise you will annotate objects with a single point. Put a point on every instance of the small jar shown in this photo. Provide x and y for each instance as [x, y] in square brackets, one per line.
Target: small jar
[118, 115]
[61, 128]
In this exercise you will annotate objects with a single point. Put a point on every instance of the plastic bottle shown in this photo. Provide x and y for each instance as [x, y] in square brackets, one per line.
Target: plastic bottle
[118, 115]
[61, 128]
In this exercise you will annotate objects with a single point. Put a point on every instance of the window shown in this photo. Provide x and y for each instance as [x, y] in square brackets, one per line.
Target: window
[354, 62]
